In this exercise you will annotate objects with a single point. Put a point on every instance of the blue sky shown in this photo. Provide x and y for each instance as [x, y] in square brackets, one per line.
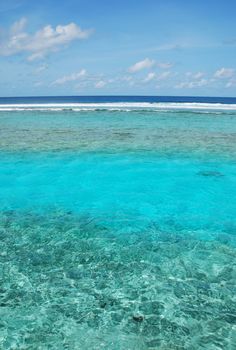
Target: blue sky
[100, 47]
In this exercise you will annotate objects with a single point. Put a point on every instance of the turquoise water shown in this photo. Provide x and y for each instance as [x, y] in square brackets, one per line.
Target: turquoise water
[118, 229]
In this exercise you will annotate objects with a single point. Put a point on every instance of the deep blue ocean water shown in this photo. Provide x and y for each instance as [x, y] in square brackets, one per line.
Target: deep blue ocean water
[102, 99]
[117, 223]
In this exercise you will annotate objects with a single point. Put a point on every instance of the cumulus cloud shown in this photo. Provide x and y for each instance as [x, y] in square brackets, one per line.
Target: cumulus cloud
[224, 73]
[100, 84]
[70, 77]
[47, 39]
[149, 77]
[146, 63]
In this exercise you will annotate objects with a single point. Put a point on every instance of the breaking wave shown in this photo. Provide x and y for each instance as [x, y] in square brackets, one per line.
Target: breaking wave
[118, 106]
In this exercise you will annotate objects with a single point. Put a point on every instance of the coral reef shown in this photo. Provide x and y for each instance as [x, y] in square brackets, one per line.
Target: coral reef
[72, 282]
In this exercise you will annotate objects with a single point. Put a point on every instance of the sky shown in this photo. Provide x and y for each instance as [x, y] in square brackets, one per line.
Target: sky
[118, 47]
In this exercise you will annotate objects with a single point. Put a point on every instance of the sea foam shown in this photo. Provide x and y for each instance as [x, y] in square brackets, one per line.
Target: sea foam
[119, 106]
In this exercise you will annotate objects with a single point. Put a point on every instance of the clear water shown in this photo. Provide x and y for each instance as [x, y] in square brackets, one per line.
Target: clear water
[117, 229]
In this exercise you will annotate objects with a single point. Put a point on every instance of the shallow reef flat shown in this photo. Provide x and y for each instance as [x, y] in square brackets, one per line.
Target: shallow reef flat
[192, 133]
[70, 281]
[117, 230]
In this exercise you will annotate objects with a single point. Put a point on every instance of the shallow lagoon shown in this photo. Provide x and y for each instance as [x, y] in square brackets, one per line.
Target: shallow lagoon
[118, 230]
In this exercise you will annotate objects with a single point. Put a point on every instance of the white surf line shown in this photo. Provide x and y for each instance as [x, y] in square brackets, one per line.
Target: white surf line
[118, 106]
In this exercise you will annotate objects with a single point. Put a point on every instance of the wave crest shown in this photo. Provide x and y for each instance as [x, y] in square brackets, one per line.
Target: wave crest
[118, 106]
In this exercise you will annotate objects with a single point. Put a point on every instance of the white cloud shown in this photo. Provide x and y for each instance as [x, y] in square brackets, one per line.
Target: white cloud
[192, 84]
[38, 84]
[36, 56]
[163, 75]
[18, 26]
[149, 77]
[81, 85]
[41, 68]
[224, 73]
[146, 63]
[100, 84]
[37, 45]
[71, 77]
[196, 76]
[230, 84]
[165, 65]
[127, 78]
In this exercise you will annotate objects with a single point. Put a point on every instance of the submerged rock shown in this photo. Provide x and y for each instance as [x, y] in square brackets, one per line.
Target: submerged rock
[138, 318]
[210, 173]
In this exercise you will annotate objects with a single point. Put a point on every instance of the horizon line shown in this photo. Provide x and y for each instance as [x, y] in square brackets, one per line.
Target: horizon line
[165, 96]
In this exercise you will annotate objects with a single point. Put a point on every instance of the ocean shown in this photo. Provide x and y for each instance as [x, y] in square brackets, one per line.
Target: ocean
[117, 223]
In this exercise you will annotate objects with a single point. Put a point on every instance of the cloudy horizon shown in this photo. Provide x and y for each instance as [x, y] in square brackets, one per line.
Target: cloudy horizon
[79, 48]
